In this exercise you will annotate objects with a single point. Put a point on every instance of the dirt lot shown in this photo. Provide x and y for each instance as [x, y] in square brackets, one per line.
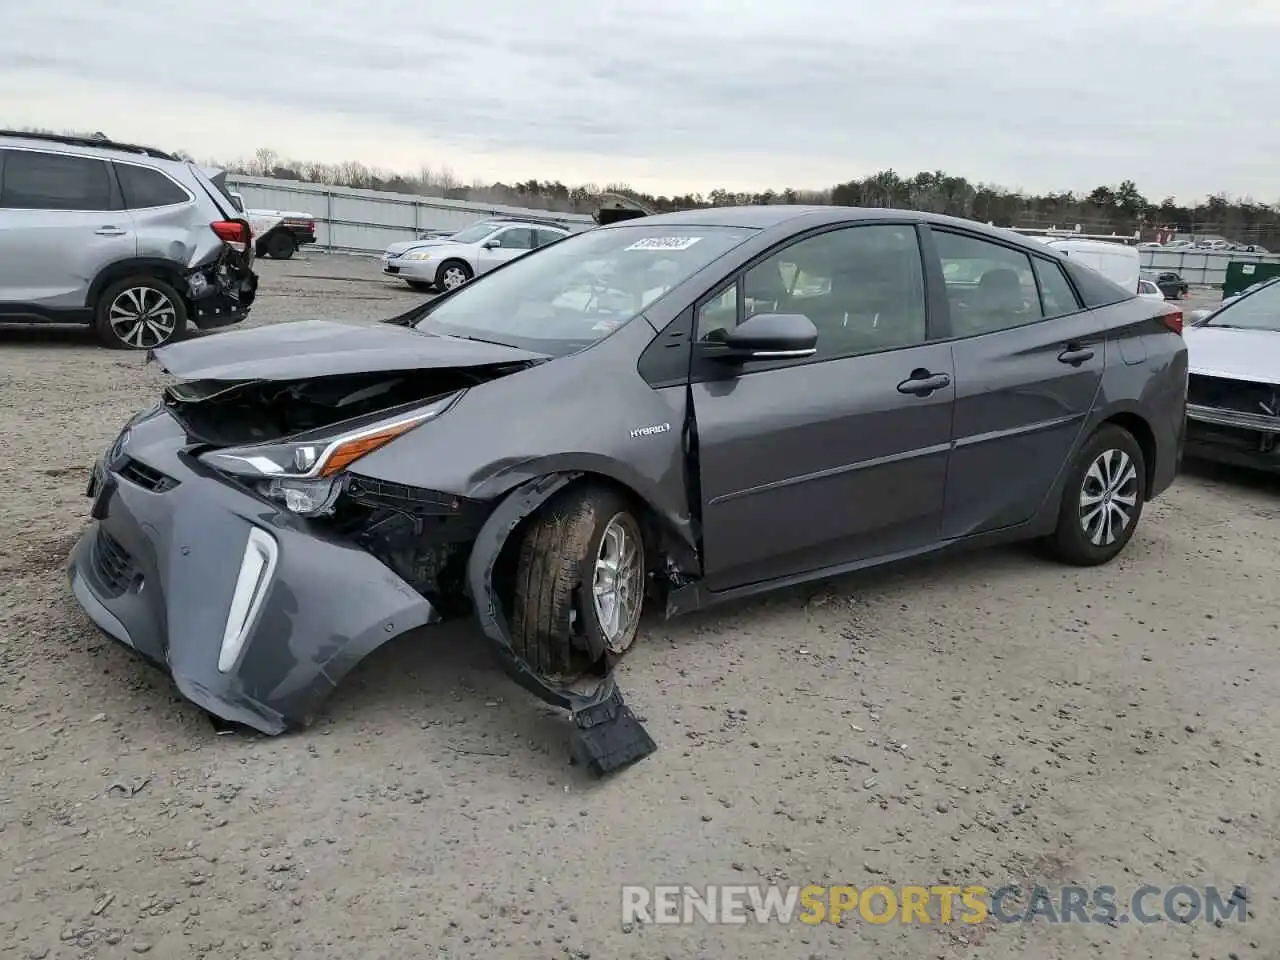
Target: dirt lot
[988, 720]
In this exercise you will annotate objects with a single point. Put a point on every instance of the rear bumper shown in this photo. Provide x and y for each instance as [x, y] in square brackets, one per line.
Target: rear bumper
[255, 618]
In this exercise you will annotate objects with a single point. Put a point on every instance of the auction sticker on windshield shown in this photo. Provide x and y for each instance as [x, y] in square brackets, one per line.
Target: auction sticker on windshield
[664, 243]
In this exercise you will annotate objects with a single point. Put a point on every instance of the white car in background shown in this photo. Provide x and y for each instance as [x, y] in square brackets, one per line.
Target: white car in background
[444, 263]
[1149, 290]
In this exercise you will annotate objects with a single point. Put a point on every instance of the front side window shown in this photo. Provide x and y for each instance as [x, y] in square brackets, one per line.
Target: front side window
[571, 294]
[54, 181]
[862, 287]
[989, 287]
[1259, 310]
[517, 238]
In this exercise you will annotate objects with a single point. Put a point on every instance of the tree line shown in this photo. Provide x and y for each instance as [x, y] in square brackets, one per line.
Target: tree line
[1120, 208]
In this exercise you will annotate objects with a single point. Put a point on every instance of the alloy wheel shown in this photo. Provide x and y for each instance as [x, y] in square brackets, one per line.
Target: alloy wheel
[617, 585]
[142, 317]
[1108, 497]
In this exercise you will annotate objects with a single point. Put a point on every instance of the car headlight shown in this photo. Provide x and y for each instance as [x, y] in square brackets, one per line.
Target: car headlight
[417, 255]
[305, 472]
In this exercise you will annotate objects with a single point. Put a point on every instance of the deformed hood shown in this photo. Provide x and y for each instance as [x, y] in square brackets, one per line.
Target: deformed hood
[320, 348]
[1234, 354]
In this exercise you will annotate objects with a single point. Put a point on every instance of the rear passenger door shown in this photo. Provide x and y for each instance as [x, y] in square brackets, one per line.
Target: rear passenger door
[1028, 365]
[161, 210]
[61, 221]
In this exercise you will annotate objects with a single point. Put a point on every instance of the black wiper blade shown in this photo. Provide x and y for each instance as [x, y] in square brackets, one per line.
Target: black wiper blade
[458, 336]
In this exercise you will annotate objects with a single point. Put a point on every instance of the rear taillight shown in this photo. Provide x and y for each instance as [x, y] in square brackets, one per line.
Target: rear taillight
[1172, 320]
[234, 233]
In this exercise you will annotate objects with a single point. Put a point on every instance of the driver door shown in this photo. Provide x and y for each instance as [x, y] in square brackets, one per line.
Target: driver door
[837, 458]
[503, 246]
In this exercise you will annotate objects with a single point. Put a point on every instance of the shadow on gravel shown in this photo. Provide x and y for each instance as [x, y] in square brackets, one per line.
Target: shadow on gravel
[1240, 478]
[46, 335]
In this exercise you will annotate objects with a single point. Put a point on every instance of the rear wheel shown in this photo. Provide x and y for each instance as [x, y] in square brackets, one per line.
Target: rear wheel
[139, 313]
[281, 245]
[452, 273]
[1102, 501]
[580, 582]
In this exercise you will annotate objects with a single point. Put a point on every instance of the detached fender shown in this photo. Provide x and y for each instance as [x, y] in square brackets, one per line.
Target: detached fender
[671, 505]
[493, 621]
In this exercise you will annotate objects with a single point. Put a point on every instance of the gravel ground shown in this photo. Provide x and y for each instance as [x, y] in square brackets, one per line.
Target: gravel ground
[993, 719]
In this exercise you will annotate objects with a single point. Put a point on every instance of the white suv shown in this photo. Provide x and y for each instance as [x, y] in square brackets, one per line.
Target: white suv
[132, 240]
[448, 262]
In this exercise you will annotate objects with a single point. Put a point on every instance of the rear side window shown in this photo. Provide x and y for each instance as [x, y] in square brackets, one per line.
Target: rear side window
[54, 181]
[548, 236]
[1056, 295]
[990, 287]
[143, 187]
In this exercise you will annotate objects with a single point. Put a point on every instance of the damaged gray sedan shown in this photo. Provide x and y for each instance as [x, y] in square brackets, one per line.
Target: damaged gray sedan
[666, 411]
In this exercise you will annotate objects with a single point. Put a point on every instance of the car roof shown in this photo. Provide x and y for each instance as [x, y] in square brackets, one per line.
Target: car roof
[1095, 245]
[800, 217]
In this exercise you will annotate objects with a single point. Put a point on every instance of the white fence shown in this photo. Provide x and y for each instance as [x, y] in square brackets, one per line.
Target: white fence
[366, 221]
[1207, 267]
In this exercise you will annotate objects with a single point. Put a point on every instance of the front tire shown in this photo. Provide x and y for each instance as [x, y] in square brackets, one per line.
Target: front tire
[139, 313]
[453, 274]
[1102, 500]
[580, 582]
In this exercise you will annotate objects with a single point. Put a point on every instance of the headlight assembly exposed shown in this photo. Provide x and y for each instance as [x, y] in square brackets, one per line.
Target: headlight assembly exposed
[304, 472]
[417, 255]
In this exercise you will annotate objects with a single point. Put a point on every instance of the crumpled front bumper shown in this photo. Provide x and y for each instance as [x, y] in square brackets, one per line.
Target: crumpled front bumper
[256, 618]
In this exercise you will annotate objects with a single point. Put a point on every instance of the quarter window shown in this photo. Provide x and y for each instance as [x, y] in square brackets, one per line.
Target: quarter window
[54, 181]
[989, 287]
[143, 187]
[862, 287]
[1057, 296]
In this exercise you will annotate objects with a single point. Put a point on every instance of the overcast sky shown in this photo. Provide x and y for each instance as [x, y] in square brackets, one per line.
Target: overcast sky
[676, 95]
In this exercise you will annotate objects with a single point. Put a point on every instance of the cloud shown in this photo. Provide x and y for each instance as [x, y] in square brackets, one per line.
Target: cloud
[677, 94]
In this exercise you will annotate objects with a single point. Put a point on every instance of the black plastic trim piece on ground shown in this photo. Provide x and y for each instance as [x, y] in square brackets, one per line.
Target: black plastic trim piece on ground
[608, 736]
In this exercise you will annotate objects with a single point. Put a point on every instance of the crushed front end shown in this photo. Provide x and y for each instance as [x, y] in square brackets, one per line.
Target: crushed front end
[236, 544]
[1233, 421]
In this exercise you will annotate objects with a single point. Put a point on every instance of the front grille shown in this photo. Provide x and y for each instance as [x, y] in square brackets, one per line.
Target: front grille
[1237, 395]
[112, 564]
[149, 478]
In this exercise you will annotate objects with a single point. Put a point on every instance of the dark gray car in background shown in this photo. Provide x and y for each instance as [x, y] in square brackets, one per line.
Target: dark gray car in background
[669, 411]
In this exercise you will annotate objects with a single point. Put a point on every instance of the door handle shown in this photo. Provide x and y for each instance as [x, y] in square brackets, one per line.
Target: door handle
[922, 383]
[111, 231]
[1075, 354]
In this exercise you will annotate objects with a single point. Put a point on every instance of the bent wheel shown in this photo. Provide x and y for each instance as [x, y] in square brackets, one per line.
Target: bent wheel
[1102, 500]
[580, 581]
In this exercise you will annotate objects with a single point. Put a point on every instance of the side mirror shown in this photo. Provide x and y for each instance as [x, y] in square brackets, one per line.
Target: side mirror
[491, 244]
[766, 336]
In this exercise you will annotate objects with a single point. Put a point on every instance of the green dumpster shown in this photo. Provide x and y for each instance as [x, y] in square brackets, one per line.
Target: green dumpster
[1241, 275]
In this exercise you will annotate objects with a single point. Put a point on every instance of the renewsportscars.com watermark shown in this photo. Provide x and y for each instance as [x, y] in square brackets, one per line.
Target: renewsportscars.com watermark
[881, 904]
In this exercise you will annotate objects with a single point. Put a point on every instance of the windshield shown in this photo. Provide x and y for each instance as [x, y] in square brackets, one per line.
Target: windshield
[570, 294]
[475, 232]
[1259, 310]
